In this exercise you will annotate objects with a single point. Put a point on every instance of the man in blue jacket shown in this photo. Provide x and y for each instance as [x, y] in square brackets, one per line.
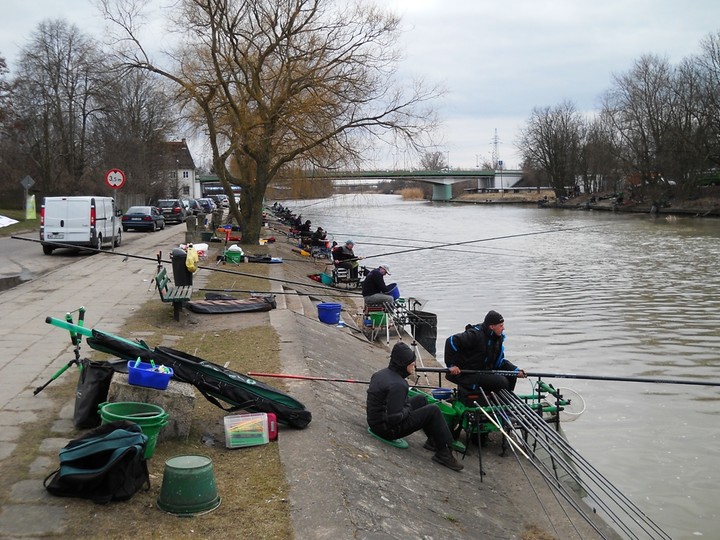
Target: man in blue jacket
[481, 348]
[391, 415]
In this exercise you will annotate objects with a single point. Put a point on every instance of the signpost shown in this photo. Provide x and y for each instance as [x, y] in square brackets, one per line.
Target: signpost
[27, 183]
[115, 178]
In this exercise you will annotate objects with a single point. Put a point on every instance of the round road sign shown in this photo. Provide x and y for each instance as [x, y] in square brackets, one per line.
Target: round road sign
[115, 178]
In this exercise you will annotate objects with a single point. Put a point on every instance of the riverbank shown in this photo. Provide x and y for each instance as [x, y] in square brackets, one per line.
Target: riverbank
[705, 205]
[340, 482]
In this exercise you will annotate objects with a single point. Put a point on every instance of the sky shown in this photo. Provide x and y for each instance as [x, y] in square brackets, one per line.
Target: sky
[496, 60]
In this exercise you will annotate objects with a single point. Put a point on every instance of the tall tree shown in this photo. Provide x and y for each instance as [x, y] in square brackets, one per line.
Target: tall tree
[138, 116]
[276, 82]
[639, 108]
[61, 75]
[550, 143]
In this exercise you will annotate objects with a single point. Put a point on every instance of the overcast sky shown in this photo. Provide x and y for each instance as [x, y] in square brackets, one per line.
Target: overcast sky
[496, 59]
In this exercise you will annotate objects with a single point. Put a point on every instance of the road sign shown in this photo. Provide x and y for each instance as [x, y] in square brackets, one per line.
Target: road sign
[115, 178]
[27, 182]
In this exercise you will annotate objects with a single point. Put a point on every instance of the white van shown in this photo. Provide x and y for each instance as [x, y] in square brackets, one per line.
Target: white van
[79, 221]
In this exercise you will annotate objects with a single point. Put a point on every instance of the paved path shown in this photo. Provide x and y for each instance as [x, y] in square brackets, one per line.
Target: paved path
[110, 289]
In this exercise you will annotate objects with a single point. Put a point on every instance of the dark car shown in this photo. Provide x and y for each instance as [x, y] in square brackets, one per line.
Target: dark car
[173, 209]
[148, 218]
[207, 204]
[195, 207]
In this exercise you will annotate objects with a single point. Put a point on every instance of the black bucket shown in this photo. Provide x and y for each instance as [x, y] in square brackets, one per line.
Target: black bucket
[424, 329]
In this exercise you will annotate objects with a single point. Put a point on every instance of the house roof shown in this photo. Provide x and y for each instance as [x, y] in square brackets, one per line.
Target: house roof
[180, 153]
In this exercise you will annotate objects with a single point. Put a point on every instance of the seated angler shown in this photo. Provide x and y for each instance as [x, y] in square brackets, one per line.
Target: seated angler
[344, 257]
[374, 289]
[472, 355]
[391, 415]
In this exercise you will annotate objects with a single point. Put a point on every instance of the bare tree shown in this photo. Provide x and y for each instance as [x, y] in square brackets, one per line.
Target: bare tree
[550, 144]
[433, 161]
[279, 81]
[55, 99]
[138, 115]
[639, 108]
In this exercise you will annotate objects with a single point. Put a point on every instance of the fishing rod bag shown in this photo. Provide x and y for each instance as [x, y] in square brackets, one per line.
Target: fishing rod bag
[218, 384]
[103, 465]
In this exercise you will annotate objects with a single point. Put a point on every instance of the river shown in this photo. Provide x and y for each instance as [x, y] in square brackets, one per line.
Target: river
[593, 293]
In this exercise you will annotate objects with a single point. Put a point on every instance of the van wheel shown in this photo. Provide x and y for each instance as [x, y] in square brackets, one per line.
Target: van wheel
[99, 242]
[118, 239]
[47, 250]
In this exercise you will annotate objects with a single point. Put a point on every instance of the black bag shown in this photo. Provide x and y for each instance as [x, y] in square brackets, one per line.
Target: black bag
[106, 464]
[92, 390]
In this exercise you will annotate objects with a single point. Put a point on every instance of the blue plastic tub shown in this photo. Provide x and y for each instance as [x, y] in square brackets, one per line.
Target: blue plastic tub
[143, 374]
[329, 313]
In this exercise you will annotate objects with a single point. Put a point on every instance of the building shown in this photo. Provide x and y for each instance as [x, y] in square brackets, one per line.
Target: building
[181, 170]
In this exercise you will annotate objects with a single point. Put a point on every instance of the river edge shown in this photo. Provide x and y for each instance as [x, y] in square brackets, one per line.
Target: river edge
[708, 206]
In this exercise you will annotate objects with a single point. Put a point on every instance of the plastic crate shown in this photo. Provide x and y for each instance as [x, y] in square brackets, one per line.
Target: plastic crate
[144, 374]
[246, 430]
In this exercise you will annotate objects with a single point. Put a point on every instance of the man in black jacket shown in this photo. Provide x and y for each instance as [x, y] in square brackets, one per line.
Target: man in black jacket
[391, 415]
[480, 348]
[374, 290]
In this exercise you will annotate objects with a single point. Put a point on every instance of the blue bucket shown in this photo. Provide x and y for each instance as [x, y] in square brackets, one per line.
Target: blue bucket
[329, 313]
[394, 292]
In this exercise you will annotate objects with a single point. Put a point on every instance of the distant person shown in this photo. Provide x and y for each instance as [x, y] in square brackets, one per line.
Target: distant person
[391, 415]
[344, 257]
[319, 238]
[374, 289]
[481, 348]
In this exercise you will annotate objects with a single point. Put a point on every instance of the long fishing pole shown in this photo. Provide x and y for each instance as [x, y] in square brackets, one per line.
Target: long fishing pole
[465, 242]
[159, 260]
[357, 235]
[321, 379]
[577, 376]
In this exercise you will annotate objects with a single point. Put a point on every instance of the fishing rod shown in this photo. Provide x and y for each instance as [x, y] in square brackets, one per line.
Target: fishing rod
[357, 235]
[158, 259]
[573, 464]
[577, 376]
[296, 293]
[321, 379]
[465, 242]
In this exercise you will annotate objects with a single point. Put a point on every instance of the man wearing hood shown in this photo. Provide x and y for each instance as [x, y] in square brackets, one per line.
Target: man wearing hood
[391, 415]
[481, 348]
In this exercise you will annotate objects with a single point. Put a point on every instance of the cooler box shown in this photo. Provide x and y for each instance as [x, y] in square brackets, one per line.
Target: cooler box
[143, 374]
[246, 430]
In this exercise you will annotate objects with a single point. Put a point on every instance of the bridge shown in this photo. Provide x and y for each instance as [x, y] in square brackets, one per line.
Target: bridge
[442, 181]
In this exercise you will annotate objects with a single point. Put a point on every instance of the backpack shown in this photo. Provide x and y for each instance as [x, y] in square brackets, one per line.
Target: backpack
[106, 464]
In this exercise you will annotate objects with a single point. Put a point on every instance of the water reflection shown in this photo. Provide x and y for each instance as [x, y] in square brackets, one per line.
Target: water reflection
[594, 293]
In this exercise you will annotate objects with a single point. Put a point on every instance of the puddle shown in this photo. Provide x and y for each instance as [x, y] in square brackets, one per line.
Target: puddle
[12, 281]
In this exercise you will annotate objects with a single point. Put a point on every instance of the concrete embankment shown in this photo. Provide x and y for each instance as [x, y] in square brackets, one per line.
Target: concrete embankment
[343, 483]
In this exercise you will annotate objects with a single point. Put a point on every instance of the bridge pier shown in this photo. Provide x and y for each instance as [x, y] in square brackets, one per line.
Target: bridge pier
[442, 192]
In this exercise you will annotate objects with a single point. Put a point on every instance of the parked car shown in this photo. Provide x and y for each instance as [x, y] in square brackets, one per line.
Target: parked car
[195, 207]
[221, 201]
[207, 204]
[143, 217]
[173, 209]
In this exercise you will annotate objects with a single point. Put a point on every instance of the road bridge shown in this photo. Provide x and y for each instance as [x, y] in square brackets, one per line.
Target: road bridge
[442, 180]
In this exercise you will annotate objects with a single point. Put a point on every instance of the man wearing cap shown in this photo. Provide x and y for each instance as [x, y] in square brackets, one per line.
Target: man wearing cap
[374, 290]
[480, 348]
[344, 257]
[391, 415]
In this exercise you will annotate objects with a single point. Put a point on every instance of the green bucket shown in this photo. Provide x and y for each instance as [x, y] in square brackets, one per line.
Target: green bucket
[188, 486]
[151, 419]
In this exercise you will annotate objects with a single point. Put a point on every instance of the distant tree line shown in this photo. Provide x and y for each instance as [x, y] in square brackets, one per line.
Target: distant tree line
[658, 131]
